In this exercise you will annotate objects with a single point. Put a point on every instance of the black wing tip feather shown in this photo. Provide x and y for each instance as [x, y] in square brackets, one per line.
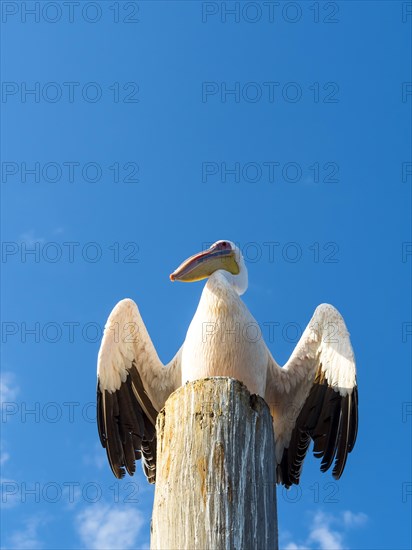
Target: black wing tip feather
[125, 431]
[331, 420]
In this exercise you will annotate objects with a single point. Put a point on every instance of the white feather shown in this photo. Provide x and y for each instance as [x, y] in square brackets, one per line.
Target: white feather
[126, 340]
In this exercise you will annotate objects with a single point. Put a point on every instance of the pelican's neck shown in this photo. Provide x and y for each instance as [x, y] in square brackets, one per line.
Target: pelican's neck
[226, 282]
[218, 297]
[222, 284]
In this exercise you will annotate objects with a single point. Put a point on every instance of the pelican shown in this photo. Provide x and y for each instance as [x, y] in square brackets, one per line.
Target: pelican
[314, 396]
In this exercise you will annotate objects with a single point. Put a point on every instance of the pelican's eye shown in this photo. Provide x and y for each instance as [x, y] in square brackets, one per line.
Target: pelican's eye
[223, 245]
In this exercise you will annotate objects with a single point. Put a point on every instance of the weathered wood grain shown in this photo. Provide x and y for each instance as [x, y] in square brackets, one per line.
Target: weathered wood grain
[215, 475]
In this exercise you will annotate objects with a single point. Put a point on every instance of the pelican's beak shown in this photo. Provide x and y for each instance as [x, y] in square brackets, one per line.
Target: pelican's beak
[202, 265]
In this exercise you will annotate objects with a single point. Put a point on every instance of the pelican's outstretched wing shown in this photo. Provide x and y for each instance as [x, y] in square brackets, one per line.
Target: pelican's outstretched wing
[315, 396]
[132, 386]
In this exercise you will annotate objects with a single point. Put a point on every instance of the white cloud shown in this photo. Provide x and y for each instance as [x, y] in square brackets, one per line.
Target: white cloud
[4, 457]
[110, 527]
[323, 535]
[8, 393]
[8, 387]
[96, 457]
[30, 238]
[293, 546]
[10, 489]
[27, 537]
[350, 519]
[327, 531]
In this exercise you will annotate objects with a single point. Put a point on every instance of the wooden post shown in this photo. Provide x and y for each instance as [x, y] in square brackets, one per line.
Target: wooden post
[215, 475]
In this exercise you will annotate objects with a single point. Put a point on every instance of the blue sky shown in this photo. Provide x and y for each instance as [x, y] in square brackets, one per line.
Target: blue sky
[152, 129]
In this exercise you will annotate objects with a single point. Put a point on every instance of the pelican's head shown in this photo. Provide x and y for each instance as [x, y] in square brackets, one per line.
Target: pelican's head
[223, 256]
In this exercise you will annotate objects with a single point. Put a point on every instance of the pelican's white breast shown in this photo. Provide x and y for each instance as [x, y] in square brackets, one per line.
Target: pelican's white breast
[224, 339]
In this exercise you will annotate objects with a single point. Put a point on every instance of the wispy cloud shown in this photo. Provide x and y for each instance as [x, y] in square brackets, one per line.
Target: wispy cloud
[4, 455]
[8, 393]
[327, 531]
[323, 535]
[353, 520]
[30, 238]
[8, 387]
[110, 527]
[293, 546]
[27, 537]
[96, 457]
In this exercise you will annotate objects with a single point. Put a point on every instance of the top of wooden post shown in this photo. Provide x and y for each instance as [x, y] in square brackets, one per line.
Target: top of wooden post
[215, 474]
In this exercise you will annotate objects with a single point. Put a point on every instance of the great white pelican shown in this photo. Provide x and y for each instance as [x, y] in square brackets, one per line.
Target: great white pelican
[314, 396]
